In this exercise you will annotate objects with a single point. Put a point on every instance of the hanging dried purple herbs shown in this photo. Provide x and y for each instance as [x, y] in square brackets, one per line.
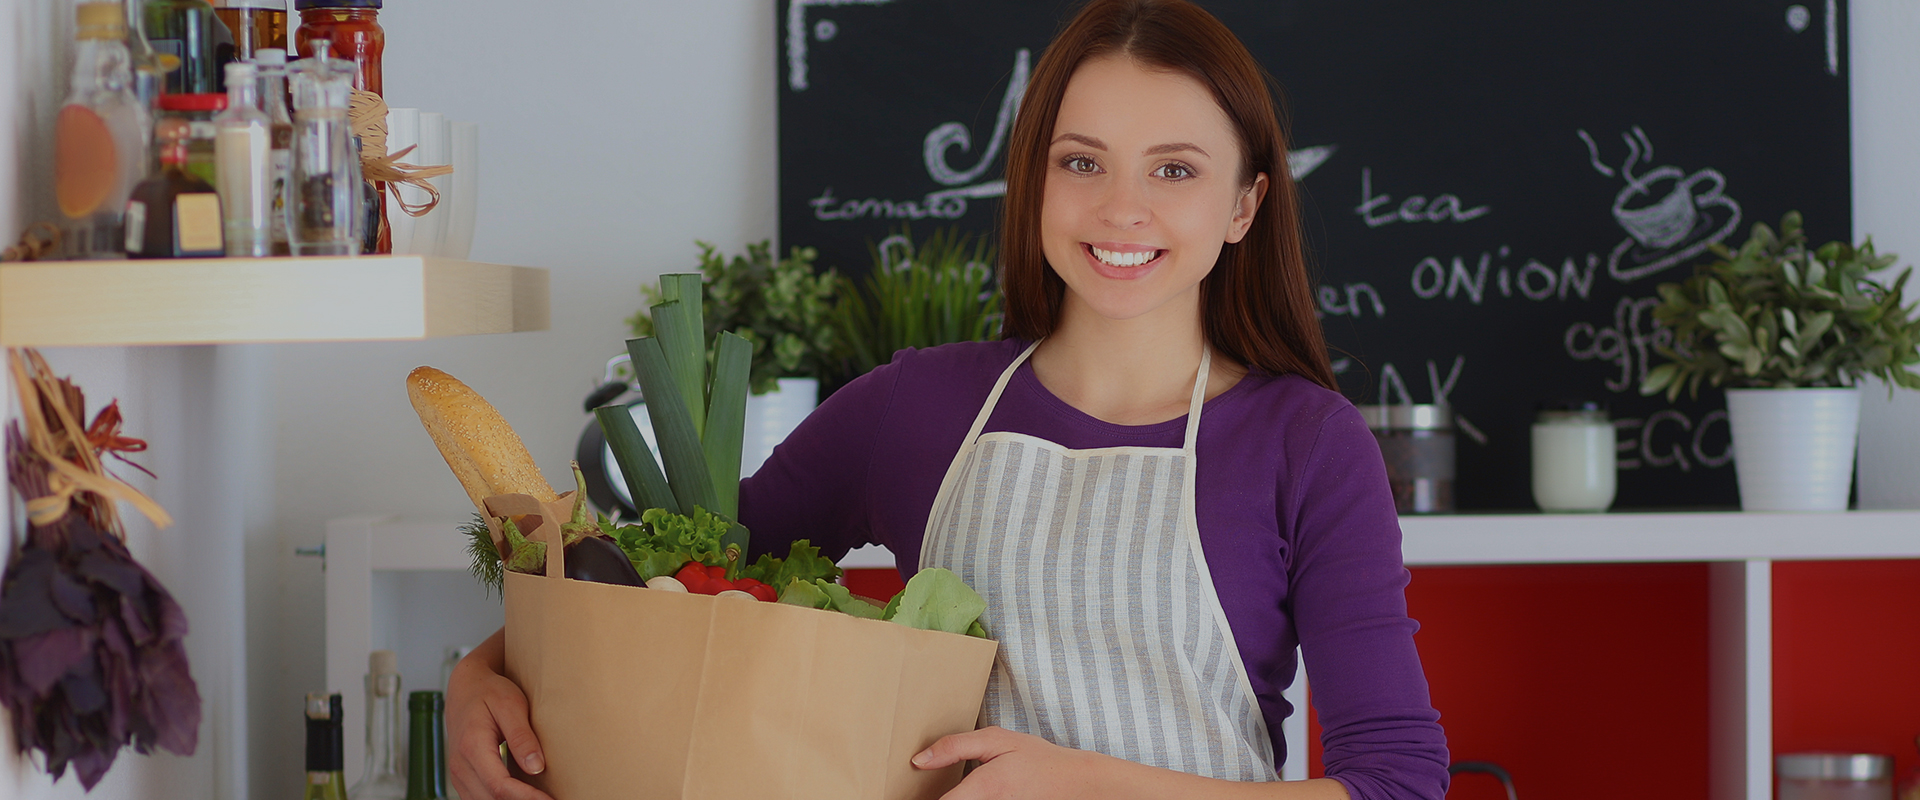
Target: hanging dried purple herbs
[91, 653]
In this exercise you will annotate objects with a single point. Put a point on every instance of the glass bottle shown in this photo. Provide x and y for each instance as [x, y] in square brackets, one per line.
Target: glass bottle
[100, 139]
[273, 101]
[353, 28]
[426, 746]
[243, 154]
[149, 68]
[385, 752]
[255, 24]
[326, 167]
[188, 31]
[326, 748]
[173, 213]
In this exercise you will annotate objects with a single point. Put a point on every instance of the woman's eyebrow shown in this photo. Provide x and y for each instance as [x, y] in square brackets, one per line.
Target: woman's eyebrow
[1175, 147]
[1083, 139]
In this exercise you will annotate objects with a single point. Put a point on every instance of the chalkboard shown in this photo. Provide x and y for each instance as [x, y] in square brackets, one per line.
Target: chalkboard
[1492, 189]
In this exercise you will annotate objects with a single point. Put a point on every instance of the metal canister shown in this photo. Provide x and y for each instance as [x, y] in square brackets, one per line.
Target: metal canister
[1834, 776]
[1417, 442]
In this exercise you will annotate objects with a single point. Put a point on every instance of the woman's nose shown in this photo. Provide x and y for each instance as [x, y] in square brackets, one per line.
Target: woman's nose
[1124, 205]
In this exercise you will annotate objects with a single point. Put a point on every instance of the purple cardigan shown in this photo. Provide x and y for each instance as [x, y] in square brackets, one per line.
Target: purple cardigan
[1295, 518]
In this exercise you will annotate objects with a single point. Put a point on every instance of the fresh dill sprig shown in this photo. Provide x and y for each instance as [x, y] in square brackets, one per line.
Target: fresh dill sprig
[486, 558]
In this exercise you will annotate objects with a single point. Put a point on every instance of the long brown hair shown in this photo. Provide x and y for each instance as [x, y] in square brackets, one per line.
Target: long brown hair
[1256, 305]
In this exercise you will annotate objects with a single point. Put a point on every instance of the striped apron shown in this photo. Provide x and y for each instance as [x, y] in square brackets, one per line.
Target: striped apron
[1112, 638]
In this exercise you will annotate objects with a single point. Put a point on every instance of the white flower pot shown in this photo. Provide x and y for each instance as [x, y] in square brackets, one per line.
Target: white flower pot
[1793, 448]
[771, 416]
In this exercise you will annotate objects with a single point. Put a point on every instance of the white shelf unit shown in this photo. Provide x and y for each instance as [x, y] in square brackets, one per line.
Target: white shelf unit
[1740, 547]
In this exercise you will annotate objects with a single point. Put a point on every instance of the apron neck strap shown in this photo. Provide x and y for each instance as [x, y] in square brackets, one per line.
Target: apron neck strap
[1199, 398]
[1193, 405]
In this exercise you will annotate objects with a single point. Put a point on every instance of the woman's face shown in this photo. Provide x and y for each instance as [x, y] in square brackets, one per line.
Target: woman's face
[1143, 187]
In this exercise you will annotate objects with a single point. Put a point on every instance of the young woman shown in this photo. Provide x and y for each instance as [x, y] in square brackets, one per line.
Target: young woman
[1151, 480]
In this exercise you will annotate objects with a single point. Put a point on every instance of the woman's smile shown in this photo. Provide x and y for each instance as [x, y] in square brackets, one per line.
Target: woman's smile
[1123, 261]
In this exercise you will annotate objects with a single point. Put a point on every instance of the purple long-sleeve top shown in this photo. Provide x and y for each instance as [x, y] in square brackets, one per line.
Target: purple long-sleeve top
[1295, 518]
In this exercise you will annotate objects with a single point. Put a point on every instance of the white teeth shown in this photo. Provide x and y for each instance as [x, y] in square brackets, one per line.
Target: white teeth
[1123, 259]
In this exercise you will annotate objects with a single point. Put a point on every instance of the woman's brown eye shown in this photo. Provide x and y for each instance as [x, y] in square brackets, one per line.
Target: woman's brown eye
[1080, 164]
[1175, 172]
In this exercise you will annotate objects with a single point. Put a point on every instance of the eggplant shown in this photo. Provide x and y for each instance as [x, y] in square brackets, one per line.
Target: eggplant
[598, 559]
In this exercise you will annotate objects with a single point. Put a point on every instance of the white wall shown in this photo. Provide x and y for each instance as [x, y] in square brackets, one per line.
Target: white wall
[613, 135]
[1886, 205]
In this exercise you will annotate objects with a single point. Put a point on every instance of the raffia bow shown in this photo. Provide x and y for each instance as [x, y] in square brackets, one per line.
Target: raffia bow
[367, 113]
[54, 433]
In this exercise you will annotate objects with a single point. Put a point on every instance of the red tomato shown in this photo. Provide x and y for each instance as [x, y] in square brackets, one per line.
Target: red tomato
[760, 591]
[746, 584]
[717, 572]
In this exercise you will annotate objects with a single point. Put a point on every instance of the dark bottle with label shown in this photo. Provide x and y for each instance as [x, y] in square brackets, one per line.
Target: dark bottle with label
[188, 33]
[426, 746]
[174, 214]
[326, 748]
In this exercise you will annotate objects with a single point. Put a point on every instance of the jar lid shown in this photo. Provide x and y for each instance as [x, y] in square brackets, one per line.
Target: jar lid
[1834, 766]
[1404, 417]
[1569, 404]
[193, 102]
[302, 5]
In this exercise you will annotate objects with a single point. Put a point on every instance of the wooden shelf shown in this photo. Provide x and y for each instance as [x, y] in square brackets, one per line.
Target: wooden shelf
[233, 300]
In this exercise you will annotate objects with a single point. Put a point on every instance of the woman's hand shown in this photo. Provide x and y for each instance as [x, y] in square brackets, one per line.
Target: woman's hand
[484, 709]
[1017, 765]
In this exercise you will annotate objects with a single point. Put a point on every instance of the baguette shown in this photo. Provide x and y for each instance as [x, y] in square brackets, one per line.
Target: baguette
[485, 454]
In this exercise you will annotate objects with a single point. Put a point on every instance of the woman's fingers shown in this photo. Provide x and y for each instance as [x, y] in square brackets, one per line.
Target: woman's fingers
[509, 710]
[982, 745]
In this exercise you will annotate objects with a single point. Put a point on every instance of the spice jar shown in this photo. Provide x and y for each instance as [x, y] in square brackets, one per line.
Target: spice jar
[326, 178]
[1417, 443]
[1573, 457]
[197, 111]
[1834, 776]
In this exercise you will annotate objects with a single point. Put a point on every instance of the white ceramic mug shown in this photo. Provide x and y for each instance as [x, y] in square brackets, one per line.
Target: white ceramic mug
[435, 150]
[463, 198]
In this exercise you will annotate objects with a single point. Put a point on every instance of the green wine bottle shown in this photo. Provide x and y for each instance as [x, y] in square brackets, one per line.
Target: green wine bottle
[326, 748]
[426, 746]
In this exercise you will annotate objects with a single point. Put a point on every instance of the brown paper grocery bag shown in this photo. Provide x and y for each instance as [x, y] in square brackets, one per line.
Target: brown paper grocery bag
[637, 693]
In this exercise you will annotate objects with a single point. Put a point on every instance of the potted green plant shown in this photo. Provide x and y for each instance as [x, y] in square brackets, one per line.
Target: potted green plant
[1789, 331]
[938, 292]
[783, 309]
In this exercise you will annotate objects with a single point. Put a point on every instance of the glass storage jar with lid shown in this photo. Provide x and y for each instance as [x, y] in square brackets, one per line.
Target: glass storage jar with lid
[1573, 456]
[1417, 443]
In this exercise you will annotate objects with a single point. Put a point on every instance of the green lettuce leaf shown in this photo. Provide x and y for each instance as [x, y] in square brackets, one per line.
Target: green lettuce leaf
[937, 600]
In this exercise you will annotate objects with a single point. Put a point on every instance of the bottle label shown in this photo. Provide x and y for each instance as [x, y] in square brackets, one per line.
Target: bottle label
[136, 226]
[196, 219]
[319, 778]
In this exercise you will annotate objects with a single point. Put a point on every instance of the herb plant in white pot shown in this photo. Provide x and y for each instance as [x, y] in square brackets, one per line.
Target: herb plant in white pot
[1789, 331]
[783, 309]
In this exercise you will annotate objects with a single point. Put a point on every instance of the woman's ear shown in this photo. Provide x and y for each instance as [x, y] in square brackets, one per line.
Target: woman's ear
[1245, 207]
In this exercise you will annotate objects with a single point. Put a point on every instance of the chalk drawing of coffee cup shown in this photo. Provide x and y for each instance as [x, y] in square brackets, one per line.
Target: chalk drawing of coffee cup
[1670, 216]
[1665, 221]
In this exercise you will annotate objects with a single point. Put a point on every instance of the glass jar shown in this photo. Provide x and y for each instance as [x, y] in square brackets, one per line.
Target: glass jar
[1417, 443]
[1834, 776]
[197, 111]
[1573, 457]
[353, 26]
